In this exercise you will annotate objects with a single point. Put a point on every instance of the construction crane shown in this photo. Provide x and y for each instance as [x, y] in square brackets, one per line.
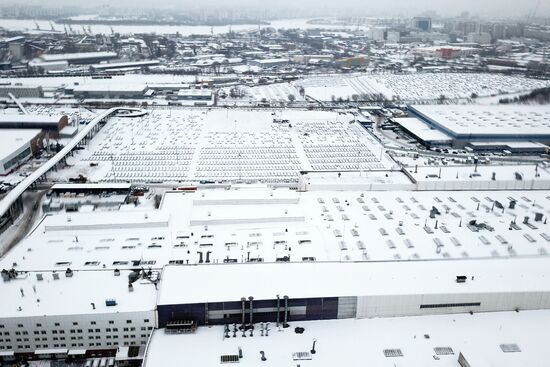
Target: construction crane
[37, 26]
[52, 27]
[533, 12]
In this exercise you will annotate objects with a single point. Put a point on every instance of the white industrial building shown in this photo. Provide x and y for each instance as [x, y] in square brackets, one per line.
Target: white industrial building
[465, 123]
[17, 146]
[51, 313]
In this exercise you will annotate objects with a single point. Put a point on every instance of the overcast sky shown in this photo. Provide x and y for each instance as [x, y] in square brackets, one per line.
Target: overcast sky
[515, 8]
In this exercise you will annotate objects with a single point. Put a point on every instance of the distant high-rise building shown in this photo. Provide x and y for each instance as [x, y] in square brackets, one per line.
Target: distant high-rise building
[422, 23]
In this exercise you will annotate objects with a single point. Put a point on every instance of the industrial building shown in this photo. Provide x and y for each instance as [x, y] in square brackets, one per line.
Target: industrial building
[269, 63]
[17, 146]
[196, 96]
[109, 91]
[425, 134]
[50, 124]
[124, 65]
[92, 318]
[80, 58]
[225, 294]
[445, 51]
[468, 123]
[505, 339]
[21, 91]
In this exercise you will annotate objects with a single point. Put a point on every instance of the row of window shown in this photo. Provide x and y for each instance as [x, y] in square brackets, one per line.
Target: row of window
[45, 346]
[111, 322]
[77, 331]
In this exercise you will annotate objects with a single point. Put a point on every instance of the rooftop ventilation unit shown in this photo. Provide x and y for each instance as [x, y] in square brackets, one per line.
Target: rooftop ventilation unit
[393, 353]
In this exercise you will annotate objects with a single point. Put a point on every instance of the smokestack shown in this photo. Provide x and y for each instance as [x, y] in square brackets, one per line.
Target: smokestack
[200, 257]
[285, 324]
[251, 309]
[278, 309]
[243, 310]
[208, 256]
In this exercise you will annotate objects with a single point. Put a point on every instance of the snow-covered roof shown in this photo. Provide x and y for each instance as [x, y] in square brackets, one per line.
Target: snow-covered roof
[29, 119]
[29, 296]
[78, 56]
[326, 225]
[230, 282]
[427, 341]
[423, 131]
[14, 139]
[478, 121]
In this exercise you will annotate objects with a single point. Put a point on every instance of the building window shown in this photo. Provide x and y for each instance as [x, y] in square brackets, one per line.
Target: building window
[146, 320]
[92, 322]
[111, 322]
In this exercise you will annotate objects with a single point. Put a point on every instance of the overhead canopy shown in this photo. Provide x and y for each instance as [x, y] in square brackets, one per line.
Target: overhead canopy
[51, 351]
[77, 352]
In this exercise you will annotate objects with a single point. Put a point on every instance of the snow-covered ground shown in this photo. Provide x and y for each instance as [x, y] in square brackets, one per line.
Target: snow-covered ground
[417, 87]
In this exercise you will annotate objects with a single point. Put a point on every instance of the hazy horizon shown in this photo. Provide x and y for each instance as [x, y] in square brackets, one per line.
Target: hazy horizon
[485, 8]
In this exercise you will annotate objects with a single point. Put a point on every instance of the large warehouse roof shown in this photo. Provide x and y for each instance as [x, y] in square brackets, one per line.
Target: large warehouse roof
[423, 131]
[229, 282]
[29, 119]
[271, 224]
[74, 57]
[476, 121]
[428, 341]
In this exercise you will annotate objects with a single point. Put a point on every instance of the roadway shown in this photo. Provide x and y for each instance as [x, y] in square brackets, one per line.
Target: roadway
[18, 190]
